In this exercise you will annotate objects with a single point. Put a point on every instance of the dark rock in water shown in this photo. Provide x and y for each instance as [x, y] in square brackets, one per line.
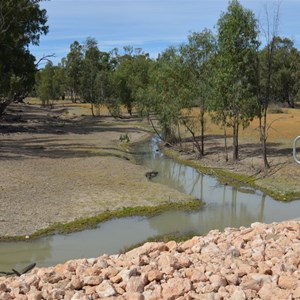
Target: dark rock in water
[151, 174]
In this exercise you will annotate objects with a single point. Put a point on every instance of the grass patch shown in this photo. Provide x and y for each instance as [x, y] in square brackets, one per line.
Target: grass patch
[92, 222]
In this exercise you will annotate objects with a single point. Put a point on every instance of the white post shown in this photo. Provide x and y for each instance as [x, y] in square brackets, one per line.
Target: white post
[294, 150]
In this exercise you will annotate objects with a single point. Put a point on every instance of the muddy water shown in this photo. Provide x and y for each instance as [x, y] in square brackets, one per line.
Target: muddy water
[224, 206]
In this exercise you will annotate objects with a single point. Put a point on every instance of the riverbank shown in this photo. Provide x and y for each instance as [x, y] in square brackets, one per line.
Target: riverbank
[259, 262]
[60, 165]
[281, 181]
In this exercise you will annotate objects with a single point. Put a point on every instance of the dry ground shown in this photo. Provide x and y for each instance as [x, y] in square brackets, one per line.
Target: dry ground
[61, 164]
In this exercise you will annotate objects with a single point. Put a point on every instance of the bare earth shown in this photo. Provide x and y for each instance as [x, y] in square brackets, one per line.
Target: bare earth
[61, 164]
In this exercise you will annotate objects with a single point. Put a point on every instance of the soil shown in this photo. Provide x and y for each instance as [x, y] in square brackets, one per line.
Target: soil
[61, 164]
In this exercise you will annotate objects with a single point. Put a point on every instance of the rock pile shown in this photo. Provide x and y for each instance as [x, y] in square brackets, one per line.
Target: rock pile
[259, 262]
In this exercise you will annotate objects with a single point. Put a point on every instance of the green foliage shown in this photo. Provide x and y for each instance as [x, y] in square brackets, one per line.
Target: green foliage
[50, 83]
[285, 71]
[124, 138]
[21, 23]
[169, 91]
[90, 67]
[131, 78]
[197, 56]
[73, 68]
[235, 76]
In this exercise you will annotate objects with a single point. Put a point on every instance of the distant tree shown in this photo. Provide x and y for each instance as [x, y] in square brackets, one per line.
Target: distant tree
[264, 78]
[197, 54]
[73, 66]
[122, 74]
[139, 81]
[49, 83]
[21, 23]
[286, 71]
[132, 78]
[90, 68]
[60, 79]
[237, 53]
[105, 88]
[169, 92]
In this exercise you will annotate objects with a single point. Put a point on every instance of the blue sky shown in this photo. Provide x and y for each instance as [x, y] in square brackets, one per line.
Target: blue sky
[152, 25]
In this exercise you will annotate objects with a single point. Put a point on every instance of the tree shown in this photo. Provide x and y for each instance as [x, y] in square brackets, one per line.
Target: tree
[265, 73]
[21, 23]
[197, 53]
[132, 78]
[237, 52]
[50, 83]
[105, 88]
[90, 68]
[73, 69]
[123, 78]
[169, 92]
[286, 66]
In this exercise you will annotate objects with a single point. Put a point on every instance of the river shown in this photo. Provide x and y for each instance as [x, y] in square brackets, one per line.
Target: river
[225, 206]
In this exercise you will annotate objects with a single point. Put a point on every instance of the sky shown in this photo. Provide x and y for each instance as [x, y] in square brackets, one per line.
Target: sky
[152, 25]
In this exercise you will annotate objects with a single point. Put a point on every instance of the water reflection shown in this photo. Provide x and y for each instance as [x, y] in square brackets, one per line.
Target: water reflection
[225, 206]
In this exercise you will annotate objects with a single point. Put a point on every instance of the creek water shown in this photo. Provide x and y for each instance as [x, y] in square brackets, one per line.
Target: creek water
[225, 206]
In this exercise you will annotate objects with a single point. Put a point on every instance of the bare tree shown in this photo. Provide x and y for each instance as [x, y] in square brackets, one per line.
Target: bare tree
[265, 73]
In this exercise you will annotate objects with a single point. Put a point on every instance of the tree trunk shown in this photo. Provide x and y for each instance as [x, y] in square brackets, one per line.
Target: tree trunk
[3, 106]
[263, 130]
[179, 136]
[235, 141]
[92, 109]
[225, 144]
[202, 129]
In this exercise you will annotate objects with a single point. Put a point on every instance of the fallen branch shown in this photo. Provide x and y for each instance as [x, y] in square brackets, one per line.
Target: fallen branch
[15, 272]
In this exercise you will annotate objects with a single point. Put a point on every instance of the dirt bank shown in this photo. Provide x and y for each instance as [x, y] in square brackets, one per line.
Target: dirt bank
[61, 164]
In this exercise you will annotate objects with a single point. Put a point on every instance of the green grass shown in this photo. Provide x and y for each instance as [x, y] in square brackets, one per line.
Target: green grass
[92, 222]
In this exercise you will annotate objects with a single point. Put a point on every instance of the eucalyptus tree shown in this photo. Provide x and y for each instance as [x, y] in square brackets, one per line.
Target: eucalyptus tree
[265, 73]
[170, 92]
[197, 55]
[237, 54]
[121, 76]
[48, 83]
[90, 68]
[73, 66]
[21, 23]
[131, 77]
[138, 76]
[286, 71]
[94, 66]
[105, 88]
